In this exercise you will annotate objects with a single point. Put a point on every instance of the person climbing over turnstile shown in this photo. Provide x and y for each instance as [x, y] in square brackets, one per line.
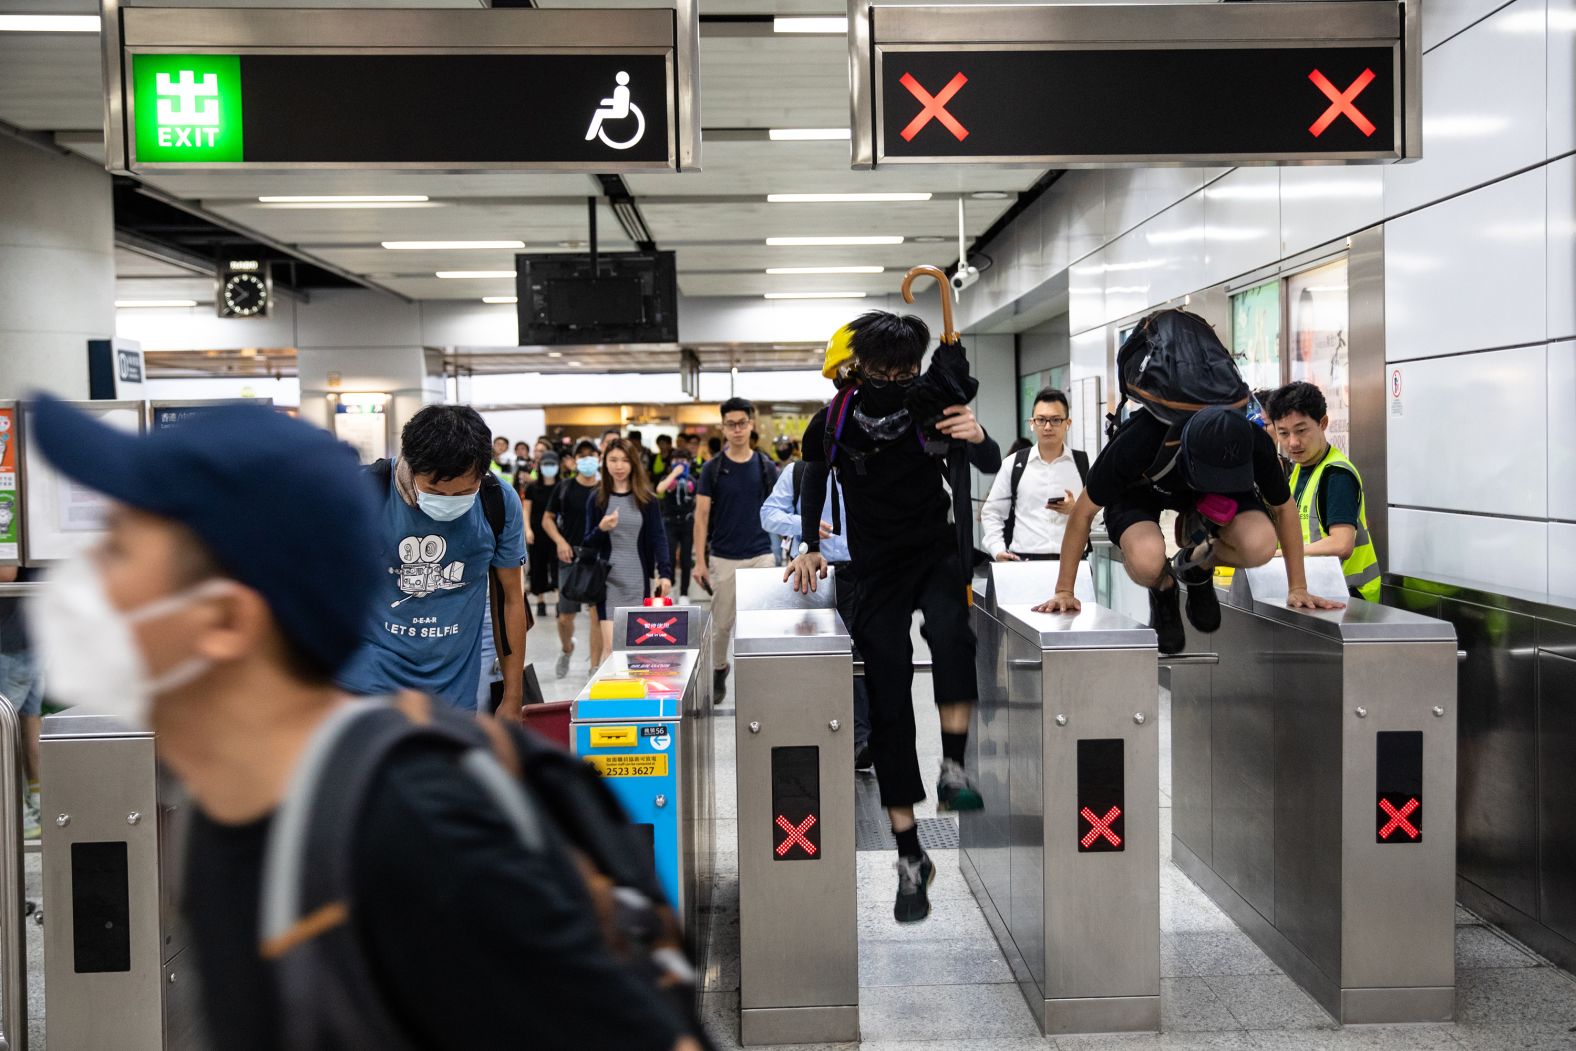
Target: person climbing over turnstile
[1191, 447]
[893, 439]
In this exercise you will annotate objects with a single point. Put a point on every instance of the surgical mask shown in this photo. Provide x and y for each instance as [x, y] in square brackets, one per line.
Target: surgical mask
[588, 466]
[442, 508]
[90, 651]
[549, 470]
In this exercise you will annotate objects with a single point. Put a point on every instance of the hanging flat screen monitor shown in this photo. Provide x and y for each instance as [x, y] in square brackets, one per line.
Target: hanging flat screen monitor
[623, 297]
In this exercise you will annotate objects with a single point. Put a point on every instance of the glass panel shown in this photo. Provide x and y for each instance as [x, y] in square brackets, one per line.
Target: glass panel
[1255, 334]
[1318, 322]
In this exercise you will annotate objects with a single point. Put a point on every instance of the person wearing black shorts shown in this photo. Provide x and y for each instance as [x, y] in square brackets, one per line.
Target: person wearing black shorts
[905, 551]
[1226, 462]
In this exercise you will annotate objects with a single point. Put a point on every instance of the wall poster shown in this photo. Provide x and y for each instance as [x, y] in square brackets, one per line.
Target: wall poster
[1255, 334]
[10, 492]
[64, 517]
[1319, 330]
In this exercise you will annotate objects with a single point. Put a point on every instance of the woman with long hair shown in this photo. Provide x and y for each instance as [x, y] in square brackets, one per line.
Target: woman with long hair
[629, 534]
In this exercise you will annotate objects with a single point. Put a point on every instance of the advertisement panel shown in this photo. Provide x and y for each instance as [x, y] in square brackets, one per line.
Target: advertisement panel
[1319, 330]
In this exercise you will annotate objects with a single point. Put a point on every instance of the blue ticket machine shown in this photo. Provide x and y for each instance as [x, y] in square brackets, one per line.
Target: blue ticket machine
[643, 722]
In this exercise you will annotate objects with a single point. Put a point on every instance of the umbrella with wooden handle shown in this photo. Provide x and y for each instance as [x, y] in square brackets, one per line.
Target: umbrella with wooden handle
[949, 335]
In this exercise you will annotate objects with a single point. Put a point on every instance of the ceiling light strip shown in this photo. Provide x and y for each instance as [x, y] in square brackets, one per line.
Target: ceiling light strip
[472, 275]
[844, 198]
[812, 242]
[815, 295]
[790, 270]
[831, 26]
[49, 23]
[444, 246]
[344, 198]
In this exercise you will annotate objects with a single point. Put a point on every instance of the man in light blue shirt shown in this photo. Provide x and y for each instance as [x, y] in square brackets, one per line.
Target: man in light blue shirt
[440, 551]
[780, 517]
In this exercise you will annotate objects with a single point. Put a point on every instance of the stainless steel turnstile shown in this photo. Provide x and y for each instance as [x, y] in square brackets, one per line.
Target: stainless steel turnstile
[1064, 858]
[117, 969]
[798, 920]
[644, 721]
[1314, 794]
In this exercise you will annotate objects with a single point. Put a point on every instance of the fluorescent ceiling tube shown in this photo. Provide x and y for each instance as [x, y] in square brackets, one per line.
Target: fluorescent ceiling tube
[843, 198]
[438, 246]
[344, 198]
[826, 270]
[464, 275]
[500, 299]
[789, 242]
[832, 25]
[155, 302]
[49, 23]
[805, 134]
[815, 295]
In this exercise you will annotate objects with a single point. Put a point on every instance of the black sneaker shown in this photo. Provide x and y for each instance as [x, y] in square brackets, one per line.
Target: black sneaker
[1165, 617]
[719, 685]
[863, 762]
[913, 883]
[1203, 605]
[541, 609]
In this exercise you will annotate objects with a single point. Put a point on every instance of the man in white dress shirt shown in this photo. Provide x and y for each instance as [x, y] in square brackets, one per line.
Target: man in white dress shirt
[1026, 512]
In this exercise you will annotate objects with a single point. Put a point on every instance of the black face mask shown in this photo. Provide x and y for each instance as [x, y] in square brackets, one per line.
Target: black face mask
[883, 400]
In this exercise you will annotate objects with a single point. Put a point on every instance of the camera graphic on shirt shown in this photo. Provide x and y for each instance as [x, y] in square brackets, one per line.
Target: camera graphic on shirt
[422, 572]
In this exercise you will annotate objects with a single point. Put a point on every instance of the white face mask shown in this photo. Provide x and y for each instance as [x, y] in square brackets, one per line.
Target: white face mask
[89, 651]
[442, 508]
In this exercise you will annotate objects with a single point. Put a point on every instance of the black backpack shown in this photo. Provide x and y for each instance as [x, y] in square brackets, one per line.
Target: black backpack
[1173, 365]
[1020, 463]
[552, 800]
[382, 472]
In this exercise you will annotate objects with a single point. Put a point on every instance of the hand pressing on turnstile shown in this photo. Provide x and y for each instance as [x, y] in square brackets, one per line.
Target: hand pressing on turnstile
[1061, 602]
[1301, 598]
[805, 571]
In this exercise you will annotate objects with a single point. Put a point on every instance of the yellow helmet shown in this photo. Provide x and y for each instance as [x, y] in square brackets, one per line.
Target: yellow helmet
[838, 352]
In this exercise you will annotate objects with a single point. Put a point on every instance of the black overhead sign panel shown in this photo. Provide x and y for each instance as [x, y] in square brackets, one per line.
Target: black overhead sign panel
[1126, 84]
[458, 90]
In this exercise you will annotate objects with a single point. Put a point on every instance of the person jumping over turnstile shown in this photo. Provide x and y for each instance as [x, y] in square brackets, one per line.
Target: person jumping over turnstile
[1210, 462]
[893, 439]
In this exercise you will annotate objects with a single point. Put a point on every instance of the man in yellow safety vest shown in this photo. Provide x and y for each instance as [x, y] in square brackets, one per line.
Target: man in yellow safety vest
[1326, 485]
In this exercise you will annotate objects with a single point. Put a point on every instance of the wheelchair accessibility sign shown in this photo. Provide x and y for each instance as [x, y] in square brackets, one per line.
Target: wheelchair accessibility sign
[620, 110]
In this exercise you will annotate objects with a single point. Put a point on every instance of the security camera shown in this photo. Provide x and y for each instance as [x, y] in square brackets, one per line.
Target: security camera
[966, 275]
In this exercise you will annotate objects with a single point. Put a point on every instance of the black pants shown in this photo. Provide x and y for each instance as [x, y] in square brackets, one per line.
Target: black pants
[681, 534]
[932, 584]
[543, 564]
[847, 604]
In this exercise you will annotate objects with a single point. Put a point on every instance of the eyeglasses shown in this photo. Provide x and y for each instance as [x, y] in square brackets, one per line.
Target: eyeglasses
[735, 425]
[1048, 421]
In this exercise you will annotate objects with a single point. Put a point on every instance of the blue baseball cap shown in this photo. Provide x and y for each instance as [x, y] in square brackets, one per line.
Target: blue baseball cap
[282, 506]
[1217, 450]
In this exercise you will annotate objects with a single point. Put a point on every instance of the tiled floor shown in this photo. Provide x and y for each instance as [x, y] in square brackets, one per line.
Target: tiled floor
[943, 985]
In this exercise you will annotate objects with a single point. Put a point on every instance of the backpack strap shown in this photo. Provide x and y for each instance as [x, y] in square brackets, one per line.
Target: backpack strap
[768, 474]
[1081, 461]
[1167, 459]
[307, 900]
[796, 473]
[1020, 463]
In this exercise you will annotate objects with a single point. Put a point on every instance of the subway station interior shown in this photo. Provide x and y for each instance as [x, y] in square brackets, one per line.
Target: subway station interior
[249, 247]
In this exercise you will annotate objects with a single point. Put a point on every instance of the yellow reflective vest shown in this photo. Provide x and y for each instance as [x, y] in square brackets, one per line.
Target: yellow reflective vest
[1361, 567]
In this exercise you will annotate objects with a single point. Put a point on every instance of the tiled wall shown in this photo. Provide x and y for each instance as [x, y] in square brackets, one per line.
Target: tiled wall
[1480, 282]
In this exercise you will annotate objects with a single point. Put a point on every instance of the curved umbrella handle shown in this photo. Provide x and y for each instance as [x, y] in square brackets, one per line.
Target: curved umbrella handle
[948, 334]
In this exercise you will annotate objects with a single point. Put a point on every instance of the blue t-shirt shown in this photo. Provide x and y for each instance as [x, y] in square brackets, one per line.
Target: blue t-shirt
[421, 632]
[737, 491]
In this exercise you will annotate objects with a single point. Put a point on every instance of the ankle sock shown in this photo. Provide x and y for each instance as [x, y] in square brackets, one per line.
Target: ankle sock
[952, 746]
[908, 843]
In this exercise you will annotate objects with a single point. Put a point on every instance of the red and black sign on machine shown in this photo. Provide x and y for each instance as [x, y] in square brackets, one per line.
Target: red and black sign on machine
[1398, 810]
[1102, 799]
[1141, 103]
[796, 803]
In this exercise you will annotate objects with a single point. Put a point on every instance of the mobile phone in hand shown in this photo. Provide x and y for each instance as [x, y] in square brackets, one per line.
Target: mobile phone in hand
[1056, 501]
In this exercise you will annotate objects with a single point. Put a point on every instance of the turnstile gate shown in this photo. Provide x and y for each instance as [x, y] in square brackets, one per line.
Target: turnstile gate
[117, 970]
[1314, 794]
[644, 721]
[1064, 858]
[798, 919]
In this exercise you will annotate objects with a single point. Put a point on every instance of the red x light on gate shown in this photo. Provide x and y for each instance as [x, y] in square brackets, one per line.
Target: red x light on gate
[656, 631]
[1399, 819]
[1100, 827]
[1341, 103]
[935, 107]
[795, 836]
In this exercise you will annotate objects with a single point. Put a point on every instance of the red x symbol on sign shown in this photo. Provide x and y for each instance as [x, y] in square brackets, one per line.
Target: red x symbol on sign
[795, 836]
[656, 631]
[1341, 102]
[1100, 826]
[1398, 818]
[934, 107]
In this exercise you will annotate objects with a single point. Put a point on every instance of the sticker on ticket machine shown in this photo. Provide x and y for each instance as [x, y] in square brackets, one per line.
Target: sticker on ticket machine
[630, 765]
[612, 736]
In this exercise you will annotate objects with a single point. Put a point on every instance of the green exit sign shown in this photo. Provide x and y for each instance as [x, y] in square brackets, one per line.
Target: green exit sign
[187, 108]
